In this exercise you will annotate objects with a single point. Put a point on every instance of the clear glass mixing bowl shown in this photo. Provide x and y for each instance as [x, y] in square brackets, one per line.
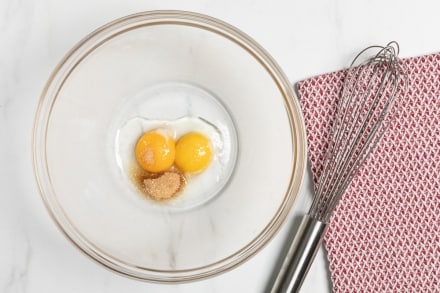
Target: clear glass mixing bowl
[167, 65]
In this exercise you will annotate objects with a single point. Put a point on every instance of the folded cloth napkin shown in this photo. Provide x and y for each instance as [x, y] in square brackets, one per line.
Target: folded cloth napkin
[384, 235]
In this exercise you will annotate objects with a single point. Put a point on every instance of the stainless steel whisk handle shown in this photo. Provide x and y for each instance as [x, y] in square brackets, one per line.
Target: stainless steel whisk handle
[300, 256]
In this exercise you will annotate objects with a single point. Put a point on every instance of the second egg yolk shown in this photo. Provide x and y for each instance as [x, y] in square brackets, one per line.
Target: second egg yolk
[193, 152]
[155, 151]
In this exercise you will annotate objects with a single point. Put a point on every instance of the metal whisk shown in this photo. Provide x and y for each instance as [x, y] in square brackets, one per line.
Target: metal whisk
[370, 99]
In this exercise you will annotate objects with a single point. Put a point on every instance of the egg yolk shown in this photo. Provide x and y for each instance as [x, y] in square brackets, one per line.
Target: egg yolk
[155, 151]
[193, 152]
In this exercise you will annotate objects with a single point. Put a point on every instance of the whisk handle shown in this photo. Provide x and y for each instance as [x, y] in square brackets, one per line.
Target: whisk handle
[300, 256]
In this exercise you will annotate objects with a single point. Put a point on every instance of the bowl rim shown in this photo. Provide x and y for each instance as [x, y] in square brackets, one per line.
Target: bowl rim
[201, 21]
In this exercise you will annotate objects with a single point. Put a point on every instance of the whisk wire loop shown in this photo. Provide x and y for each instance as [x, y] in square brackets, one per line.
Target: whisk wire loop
[369, 92]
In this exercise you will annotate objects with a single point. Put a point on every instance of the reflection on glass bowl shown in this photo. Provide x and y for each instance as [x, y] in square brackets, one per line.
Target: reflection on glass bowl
[168, 67]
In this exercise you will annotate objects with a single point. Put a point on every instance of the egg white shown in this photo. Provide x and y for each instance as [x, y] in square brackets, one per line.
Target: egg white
[199, 187]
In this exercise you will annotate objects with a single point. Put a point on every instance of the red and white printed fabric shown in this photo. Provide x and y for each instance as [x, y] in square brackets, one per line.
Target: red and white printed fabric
[384, 235]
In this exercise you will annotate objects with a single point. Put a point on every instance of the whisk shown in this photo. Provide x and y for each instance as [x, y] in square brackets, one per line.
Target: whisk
[370, 99]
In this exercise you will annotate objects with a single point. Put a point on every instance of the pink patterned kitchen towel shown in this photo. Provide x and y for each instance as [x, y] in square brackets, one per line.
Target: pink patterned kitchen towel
[384, 235]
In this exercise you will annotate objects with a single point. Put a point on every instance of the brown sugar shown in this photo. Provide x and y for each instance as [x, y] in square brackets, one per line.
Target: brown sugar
[158, 186]
[164, 186]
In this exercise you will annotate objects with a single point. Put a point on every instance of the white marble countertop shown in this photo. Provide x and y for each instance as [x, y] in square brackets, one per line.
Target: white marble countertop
[305, 37]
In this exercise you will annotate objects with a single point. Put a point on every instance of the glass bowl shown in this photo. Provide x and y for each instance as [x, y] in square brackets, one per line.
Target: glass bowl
[164, 66]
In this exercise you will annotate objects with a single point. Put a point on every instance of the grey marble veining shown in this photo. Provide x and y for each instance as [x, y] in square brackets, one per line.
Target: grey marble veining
[17, 279]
